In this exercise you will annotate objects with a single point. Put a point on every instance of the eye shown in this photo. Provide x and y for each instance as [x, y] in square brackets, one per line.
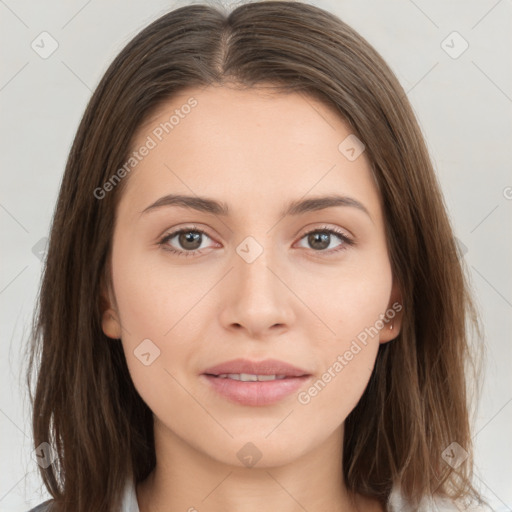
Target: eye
[190, 239]
[320, 239]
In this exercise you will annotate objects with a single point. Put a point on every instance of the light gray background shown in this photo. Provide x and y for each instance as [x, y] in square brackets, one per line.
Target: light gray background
[463, 105]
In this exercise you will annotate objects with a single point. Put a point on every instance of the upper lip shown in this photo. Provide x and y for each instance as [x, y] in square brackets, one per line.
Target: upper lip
[265, 367]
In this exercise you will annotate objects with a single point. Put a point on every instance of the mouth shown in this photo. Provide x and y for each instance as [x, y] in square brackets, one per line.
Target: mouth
[249, 377]
[255, 383]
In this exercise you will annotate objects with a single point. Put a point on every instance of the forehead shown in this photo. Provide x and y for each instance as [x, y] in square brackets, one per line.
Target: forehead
[249, 146]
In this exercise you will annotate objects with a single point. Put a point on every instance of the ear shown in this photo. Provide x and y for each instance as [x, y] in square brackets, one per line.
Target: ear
[110, 322]
[394, 315]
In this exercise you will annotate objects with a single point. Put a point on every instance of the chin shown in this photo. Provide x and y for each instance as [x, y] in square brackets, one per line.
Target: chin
[258, 452]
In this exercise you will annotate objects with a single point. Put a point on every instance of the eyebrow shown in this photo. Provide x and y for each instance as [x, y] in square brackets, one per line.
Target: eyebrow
[207, 205]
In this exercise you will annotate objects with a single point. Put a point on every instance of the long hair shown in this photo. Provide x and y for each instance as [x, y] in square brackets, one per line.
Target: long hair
[417, 401]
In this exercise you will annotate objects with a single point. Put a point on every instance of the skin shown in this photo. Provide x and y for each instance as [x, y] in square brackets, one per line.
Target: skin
[295, 303]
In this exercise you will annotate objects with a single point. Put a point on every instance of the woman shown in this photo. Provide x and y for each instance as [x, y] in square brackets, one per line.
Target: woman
[253, 299]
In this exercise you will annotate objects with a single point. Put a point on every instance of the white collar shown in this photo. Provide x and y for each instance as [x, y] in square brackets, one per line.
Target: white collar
[129, 503]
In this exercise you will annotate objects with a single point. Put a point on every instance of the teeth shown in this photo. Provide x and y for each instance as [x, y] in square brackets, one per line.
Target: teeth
[267, 377]
[245, 377]
[250, 377]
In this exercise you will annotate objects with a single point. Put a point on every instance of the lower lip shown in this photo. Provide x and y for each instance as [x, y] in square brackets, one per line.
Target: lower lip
[255, 393]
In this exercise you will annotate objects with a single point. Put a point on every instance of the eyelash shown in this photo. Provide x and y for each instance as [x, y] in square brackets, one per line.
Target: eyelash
[163, 241]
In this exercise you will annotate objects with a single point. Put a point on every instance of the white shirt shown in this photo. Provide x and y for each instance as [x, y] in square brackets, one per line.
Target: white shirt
[396, 503]
[129, 503]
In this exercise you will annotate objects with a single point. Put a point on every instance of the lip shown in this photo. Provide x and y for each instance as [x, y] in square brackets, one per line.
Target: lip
[255, 393]
[265, 367]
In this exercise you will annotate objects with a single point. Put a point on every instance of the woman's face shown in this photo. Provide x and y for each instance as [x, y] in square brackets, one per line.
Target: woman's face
[276, 274]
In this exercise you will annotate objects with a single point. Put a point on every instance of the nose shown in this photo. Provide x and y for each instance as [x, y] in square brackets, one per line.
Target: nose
[258, 299]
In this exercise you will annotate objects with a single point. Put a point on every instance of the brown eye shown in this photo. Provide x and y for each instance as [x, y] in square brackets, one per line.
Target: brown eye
[320, 240]
[188, 241]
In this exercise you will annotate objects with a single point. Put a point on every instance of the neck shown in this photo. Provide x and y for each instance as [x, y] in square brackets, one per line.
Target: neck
[189, 480]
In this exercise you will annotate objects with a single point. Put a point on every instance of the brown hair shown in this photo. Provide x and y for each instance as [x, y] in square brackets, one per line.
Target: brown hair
[417, 401]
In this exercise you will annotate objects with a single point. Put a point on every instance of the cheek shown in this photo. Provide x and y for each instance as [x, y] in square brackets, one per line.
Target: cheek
[353, 309]
[152, 297]
[336, 391]
[347, 363]
[157, 307]
[350, 299]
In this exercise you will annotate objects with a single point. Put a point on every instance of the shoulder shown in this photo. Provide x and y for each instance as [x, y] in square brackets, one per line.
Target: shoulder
[43, 507]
